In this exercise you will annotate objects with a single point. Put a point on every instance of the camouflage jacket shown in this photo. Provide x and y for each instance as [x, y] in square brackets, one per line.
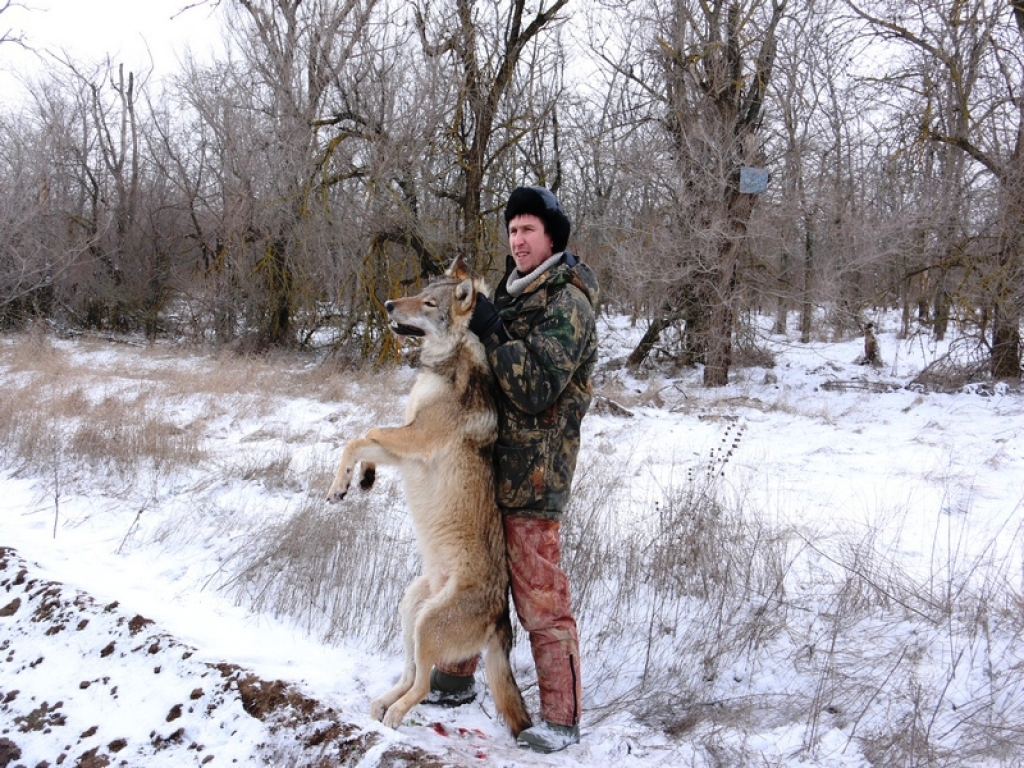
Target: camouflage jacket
[544, 371]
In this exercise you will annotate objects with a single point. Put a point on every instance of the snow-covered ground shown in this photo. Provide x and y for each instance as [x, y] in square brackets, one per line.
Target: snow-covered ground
[123, 643]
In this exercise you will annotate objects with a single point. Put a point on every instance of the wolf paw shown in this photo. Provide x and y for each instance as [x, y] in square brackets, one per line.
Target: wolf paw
[368, 478]
[339, 487]
[334, 496]
[377, 709]
[393, 718]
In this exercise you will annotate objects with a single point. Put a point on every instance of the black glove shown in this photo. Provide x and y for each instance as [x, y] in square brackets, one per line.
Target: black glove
[486, 323]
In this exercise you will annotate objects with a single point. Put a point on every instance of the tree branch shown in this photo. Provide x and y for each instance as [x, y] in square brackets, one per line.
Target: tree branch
[754, 101]
[973, 151]
[898, 30]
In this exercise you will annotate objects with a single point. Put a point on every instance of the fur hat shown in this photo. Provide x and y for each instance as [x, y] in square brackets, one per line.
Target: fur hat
[540, 202]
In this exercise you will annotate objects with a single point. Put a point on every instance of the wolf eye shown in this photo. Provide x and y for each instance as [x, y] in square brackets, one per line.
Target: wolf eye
[431, 303]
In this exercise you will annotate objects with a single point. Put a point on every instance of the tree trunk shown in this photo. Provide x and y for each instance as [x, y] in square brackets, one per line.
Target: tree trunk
[1006, 311]
[781, 323]
[650, 338]
[723, 291]
[1005, 344]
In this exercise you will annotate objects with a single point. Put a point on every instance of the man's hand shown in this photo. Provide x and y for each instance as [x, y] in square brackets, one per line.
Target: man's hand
[486, 323]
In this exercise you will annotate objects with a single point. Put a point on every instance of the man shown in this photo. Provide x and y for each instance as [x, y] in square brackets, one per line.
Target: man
[541, 340]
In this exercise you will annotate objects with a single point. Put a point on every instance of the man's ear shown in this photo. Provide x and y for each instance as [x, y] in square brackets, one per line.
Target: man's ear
[465, 296]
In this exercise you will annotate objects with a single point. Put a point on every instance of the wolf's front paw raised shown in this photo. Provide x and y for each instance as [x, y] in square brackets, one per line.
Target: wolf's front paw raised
[340, 485]
[334, 496]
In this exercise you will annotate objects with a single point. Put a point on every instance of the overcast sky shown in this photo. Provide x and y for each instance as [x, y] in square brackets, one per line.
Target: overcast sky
[139, 33]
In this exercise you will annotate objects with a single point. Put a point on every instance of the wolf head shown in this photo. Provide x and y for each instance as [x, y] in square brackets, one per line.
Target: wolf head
[440, 313]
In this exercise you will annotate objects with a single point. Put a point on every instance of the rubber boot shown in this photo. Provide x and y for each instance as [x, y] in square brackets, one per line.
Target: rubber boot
[447, 690]
[549, 737]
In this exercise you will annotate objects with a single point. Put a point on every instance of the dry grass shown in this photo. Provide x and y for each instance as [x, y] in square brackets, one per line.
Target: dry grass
[113, 411]
[916, 669]
[339, 571]
[692, 584]
[48, 417]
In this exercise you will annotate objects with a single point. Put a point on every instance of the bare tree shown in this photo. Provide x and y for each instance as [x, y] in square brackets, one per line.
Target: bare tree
[485, 43]
[30, 262]
[814, 120]
[91, 127]
[832, 180]
[8, 34]
[277, 123]
[706, 66]
[970, 57]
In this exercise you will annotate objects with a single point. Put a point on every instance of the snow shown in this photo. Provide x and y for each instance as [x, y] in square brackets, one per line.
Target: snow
[843, 457]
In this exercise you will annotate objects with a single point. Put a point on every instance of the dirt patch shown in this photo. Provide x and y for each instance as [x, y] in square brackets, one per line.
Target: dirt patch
[41, 718]
[137, 624]
[115, 652]
[9, 752]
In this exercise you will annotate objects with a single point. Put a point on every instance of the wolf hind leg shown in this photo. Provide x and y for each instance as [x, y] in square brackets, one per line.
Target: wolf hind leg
[412, 603]
[507, 697]
[435, 625]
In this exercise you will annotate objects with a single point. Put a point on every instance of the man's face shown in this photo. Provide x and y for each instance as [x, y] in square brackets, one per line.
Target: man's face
[529, 242]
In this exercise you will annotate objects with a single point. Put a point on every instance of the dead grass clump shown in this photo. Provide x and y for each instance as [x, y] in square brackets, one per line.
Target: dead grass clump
[686, 587]
[35, 351]
[28, 436]
[224, 375]
[129, 445]
[378, 396]
[36, 419]
[269, 467]
[340, 570]
[51, 421]
[63, 404]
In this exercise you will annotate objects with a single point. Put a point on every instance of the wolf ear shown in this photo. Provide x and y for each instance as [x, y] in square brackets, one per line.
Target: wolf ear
[465, 296]
[459, 270]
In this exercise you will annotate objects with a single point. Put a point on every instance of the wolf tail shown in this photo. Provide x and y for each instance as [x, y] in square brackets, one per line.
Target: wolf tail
[507, 696]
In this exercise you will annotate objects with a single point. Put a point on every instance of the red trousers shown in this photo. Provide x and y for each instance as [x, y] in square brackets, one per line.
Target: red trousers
[540, 592]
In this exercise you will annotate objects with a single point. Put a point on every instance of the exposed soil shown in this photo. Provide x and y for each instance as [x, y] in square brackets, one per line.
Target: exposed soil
[106, 647]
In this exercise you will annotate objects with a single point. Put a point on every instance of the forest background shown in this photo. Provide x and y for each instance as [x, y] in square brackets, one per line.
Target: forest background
[335, 154]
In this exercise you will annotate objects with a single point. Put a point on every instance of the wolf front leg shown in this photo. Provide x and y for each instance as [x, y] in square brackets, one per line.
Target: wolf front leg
[381, 445]
[355, 451]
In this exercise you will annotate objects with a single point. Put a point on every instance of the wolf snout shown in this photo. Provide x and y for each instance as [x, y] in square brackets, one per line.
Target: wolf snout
[389, 306]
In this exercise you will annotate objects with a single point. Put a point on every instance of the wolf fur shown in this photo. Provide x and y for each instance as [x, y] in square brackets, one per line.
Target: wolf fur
[459, 605]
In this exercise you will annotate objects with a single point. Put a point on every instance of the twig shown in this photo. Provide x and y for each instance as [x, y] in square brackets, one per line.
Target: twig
[875, 585]
[131, 528]
[56, 484]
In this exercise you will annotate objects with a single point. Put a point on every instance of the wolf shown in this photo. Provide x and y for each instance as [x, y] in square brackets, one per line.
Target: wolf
[459, 605]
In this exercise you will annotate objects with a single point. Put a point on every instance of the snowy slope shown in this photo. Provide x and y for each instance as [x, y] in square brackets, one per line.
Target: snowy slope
[121, 645]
